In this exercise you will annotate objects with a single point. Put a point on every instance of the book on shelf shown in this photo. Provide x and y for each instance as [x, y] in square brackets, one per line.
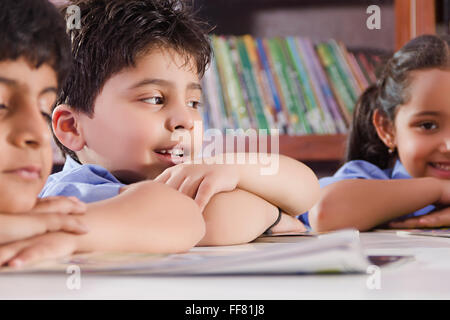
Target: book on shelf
[335, 252]
[287, 83]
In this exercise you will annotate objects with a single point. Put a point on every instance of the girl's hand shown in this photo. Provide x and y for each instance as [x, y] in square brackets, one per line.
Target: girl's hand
[47, 246]
[200, 181]
[48, 215]
[436, 219]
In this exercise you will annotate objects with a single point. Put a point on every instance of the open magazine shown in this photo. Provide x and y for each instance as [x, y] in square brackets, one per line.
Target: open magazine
[337, 252]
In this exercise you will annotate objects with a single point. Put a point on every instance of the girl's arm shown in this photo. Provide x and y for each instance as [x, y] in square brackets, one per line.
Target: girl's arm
[363, 204]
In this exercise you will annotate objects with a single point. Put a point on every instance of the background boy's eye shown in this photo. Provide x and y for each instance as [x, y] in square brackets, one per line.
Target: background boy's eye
[2, 106]
[46, 116]
[194, 104]
[154, 100]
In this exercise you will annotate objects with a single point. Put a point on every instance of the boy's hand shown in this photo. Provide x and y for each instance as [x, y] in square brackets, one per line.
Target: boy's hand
[200, 181]
[288, 224]
[48, 246]
[48, 215]
[437, 219]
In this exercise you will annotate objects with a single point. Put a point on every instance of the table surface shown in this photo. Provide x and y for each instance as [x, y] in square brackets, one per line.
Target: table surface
[427, 276]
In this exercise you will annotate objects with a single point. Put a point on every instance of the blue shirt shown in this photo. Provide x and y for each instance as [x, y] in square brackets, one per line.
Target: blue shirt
[360, 169]
[87, 182]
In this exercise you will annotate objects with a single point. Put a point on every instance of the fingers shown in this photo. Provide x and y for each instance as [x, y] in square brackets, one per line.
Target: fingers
[67, 223]
[205, 192]
[62, 205]
[163, 177]
[431, 220]
[190, 186]
[7, 252]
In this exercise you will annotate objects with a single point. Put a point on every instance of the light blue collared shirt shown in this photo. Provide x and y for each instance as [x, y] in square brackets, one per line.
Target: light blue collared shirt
[360, 169]
[87, 182]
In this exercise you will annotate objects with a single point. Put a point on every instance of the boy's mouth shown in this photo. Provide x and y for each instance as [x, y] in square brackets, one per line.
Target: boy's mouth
[174, 155]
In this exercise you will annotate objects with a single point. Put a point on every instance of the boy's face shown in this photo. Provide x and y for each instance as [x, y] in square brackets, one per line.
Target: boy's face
[25, 140]
[136, 114]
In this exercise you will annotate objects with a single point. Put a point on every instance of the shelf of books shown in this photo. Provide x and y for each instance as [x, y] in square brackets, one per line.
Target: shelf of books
[305, 90]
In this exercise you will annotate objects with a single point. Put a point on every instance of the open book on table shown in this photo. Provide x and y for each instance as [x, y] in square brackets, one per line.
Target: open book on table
[336, 252]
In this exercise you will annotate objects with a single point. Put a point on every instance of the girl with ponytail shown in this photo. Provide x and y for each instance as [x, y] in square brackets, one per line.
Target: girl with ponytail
[397, 170]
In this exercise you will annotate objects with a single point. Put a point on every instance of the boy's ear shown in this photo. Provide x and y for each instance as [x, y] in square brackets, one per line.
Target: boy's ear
[66, 127]
[385, 128]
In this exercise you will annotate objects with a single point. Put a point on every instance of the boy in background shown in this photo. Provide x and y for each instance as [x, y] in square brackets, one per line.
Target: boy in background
[34, 59]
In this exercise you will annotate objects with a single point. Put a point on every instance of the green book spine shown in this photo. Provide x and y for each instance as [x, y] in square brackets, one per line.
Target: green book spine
[345, 77]
[251, 118]
[250, 80]
[341, 92]
[342, 56]
[287, 91]
[313, 114]
[220, 63]
[232, 85]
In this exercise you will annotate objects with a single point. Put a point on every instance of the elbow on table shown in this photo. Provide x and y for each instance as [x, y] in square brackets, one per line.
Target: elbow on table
[329, 215]
[176, 220]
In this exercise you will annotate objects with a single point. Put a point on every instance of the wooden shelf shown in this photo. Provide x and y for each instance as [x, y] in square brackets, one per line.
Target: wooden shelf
[309, 148]
[314, 147]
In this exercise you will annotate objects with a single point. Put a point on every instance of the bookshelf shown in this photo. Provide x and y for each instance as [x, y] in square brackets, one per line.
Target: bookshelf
[321, 20]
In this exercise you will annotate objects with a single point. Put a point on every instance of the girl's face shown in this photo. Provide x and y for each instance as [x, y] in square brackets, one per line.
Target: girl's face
[422, 125]
[26, 98]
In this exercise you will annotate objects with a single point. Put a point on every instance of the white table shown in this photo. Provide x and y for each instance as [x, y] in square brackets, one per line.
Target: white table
[427, 277]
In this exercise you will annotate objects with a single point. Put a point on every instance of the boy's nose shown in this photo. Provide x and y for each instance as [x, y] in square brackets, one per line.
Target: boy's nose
[180, 118]
[29, 129]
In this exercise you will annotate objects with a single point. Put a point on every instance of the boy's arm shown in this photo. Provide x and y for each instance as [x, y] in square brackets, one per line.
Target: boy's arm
[287, 183]
[364, 204]
[293, 187]
[239, 216]
[145, 217]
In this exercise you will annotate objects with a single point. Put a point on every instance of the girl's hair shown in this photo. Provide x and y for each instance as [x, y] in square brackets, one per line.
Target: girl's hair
[390, 91]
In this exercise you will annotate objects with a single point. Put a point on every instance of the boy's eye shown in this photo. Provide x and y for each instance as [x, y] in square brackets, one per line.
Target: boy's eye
[194, 104]
[2, 106]
[154, 100]
[47, 116]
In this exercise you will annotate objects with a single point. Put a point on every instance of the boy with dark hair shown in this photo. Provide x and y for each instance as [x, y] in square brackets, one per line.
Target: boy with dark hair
[145, 217]
[34, 59]
[135, 84]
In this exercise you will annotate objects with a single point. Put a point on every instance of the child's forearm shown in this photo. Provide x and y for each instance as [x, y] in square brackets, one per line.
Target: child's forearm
[147, 217]
[293, 187]
[365, 204]
[236, 217]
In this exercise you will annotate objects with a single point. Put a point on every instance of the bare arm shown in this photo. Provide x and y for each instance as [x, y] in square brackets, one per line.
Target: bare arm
[294, 187]
[236, 217]
[364, 204]
[145, 217]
